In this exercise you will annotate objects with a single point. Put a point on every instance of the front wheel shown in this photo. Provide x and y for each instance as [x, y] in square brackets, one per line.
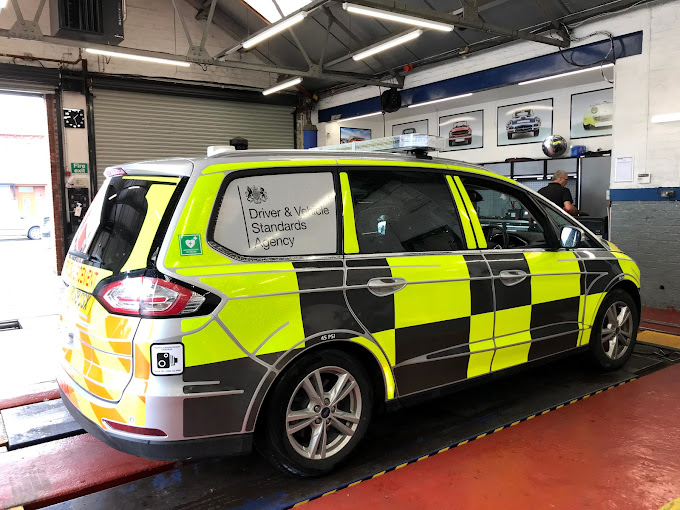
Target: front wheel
[317, 414]
[615, 330]
[34, 233]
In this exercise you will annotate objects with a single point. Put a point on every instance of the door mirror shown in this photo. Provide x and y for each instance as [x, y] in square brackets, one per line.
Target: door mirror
[570, 237]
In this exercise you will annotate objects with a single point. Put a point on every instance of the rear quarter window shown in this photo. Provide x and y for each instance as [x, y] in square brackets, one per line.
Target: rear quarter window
[278, 215]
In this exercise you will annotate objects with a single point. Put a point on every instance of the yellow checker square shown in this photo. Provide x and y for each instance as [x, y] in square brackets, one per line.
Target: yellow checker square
[512, 328]
[430, 301]
[554, 275]
[481, 344]
[210, 345]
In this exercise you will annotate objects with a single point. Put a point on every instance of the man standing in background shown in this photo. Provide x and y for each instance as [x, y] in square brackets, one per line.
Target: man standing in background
[558, 193]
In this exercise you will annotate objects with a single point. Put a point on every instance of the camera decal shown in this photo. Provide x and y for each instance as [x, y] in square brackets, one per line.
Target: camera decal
[167, 359]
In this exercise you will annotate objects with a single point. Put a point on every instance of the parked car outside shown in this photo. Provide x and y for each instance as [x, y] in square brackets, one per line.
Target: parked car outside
[16, 225]
[523, 122]
[460, 133]
[599, 115]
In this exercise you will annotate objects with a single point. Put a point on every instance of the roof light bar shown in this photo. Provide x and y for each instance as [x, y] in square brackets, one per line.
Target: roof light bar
[390, 43]
[666, 117]
[565, 74]
[399, 18]
[140, 58]
[359, 116]
[460, 96]
[282, 85]
[274, 29]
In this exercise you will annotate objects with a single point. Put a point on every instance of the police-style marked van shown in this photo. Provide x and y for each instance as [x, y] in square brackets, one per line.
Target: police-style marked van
[281, 298]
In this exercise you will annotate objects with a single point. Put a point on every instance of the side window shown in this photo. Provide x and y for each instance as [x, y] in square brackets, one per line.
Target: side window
[509, 219]
[278, 215]
[560, 222]
[404, 211]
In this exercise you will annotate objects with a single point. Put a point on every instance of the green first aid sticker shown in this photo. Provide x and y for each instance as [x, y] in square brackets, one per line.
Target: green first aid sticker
[190, 244]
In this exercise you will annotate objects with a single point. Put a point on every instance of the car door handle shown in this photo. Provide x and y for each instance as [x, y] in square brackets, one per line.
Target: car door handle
[385, 286]
[513, 277]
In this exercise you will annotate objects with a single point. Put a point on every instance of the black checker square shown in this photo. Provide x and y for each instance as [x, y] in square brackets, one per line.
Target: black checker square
[554, 345]
[424, 339]
[512, 296]
[375, 313]
[558, 321]
[431, 374]
[595, 281]
[481, 286]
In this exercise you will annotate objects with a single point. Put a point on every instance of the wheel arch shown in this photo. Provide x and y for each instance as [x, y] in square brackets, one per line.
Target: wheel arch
[361, 353]
[630, 288]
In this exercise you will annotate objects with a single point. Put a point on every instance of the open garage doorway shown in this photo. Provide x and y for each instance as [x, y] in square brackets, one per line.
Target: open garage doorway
[27, 240]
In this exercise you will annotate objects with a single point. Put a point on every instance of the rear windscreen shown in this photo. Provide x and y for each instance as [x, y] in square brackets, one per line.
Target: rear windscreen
[119, 229]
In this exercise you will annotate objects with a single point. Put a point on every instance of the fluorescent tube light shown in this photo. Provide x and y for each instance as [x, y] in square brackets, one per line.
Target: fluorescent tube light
[666, 117]
[274, 29]
[282, 85]
[359, 116]
[440, 100]
[399, 18]
[565, 74]
[390, 43]
[140, 58]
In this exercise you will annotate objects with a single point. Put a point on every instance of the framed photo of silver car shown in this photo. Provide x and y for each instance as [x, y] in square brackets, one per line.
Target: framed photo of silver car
[592, 113]
[348, 134]
[409, 128]
[528, 122]
[462, 130]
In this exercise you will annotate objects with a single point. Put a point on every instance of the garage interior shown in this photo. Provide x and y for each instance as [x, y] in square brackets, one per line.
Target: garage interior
[90, 84]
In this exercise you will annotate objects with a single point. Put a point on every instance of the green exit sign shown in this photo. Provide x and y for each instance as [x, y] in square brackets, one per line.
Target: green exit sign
[78, 168]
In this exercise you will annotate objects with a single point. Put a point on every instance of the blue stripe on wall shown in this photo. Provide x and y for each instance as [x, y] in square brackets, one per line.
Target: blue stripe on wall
[509, 74]
[642, 195]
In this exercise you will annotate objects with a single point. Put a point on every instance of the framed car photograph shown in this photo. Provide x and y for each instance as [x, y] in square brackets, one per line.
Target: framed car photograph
[408, 128]
[348, 134]
[592, 113]
[462, 130]
[529, 122]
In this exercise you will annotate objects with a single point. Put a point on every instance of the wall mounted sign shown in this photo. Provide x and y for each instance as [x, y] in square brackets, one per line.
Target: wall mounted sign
[78, 168]
[528, 122]
[592, 113]
[348, 134]
[462, 130]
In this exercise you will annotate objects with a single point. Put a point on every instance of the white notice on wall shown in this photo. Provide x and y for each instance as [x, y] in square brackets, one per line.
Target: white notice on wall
[623, 172]
[279, 215]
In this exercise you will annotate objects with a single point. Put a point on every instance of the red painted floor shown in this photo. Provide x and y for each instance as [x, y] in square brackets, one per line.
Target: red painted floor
[616, 450]
[22, 396]
[67, 468]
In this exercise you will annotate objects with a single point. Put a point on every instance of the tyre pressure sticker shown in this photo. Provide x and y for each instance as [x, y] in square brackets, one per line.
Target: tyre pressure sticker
[167, 359]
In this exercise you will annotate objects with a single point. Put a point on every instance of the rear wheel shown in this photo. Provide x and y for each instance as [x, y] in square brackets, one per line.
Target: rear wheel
[615, 330]
[317, 414]
[34, 233]
[509, 136]
[536, 132]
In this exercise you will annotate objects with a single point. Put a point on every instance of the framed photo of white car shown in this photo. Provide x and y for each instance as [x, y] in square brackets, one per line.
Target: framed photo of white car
[528, 122]
[462, 130]
[592, 113]
[409, 128]
[348, 134]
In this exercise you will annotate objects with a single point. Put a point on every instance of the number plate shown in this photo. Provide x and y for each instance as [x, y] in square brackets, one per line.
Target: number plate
[79, 300]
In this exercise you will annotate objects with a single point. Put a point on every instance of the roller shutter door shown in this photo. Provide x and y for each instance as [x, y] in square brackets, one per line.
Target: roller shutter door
[134, 126]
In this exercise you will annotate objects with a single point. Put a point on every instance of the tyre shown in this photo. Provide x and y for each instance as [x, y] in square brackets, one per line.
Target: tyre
[317, 414]
[451, 143]
[587, 127]
[536, 132]
[469, 141]
[509, 136]
[615, 330]
[34, 233]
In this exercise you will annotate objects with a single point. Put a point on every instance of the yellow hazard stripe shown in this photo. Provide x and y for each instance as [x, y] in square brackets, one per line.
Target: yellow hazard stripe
[351, 242]
[481, 240]
[464, 217]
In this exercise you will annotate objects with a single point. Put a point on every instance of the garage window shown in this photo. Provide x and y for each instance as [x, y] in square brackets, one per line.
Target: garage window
[397, 212]
[279, 215]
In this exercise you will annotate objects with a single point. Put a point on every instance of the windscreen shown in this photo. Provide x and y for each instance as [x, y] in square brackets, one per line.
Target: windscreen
[119, 229]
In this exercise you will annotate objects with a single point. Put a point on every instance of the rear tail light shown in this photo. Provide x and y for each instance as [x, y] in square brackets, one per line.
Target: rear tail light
[131, 429]
[148, 296]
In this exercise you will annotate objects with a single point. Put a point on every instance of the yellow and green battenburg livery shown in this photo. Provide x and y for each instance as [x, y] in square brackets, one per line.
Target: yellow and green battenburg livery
[454, 319]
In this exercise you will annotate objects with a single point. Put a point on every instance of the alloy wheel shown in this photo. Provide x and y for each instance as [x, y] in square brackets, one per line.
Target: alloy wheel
[617, 330]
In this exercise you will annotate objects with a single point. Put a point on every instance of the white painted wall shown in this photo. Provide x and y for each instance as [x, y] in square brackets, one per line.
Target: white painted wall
[151, 25]
[645, 85]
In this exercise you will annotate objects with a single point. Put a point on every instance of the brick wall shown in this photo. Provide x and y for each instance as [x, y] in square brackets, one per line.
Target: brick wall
[648, 232]
[57, 190]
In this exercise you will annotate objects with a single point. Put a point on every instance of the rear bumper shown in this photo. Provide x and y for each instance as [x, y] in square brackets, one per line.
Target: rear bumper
[236, 444]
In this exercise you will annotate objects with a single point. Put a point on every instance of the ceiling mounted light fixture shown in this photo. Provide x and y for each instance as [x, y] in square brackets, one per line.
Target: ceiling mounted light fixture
[666, 117]
[460, 96]
[274, 29]
[359, 116]
[282, 85]
[604, 66]
[390, 43]
[399, 18]
[140, 58]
